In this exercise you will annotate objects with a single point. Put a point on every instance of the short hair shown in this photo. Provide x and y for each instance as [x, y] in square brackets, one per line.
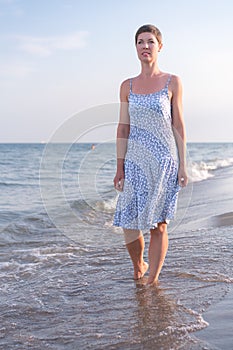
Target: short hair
[149, 28]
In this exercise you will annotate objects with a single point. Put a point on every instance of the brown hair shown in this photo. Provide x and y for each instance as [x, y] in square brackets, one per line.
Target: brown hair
[149, 28]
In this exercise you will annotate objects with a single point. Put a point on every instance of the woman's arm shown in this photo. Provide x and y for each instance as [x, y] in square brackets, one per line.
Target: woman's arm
[122, 135]
[179, 128]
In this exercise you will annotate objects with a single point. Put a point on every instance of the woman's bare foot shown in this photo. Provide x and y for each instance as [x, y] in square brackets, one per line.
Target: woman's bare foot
[152, 281]
[140, 271]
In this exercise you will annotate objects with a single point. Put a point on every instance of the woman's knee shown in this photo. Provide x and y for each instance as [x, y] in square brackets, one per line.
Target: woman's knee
[160, 229]
[131, 235]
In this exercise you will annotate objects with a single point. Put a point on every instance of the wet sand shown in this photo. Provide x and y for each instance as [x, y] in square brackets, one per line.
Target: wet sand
[223, 219]
[218, 215]
[219, 333]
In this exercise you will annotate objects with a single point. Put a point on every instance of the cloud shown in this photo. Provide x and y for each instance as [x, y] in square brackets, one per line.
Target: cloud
[46, 46]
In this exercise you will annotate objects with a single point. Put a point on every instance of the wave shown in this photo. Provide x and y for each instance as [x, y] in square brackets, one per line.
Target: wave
[85, 205]
[95, 212]
[198, 171]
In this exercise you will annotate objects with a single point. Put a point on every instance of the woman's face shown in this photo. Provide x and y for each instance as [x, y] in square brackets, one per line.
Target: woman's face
[147, 47]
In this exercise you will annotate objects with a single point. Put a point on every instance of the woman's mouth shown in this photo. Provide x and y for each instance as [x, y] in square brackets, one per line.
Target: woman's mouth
[145, 53]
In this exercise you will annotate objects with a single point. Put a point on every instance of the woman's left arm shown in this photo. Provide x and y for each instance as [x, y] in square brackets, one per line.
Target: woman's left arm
[179, 128]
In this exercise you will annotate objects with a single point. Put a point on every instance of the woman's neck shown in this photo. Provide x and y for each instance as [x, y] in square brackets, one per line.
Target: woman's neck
[150, 70]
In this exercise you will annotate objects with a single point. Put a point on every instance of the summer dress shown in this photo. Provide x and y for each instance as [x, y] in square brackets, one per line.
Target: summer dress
[151, 187]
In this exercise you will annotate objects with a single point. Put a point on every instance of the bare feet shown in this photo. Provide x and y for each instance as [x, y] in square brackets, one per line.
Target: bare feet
[152, 280]
[140, 271]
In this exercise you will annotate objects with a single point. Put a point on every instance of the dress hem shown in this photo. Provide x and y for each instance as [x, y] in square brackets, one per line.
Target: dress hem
[153, 226]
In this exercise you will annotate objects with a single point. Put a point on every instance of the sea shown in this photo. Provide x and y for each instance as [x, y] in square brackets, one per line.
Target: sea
[66, 277]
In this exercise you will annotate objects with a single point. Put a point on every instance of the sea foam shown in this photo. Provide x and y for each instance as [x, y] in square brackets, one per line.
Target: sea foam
[198, 171]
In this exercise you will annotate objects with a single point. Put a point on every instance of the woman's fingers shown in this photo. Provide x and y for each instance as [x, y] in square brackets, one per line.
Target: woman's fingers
[119, 185]
[183, 180]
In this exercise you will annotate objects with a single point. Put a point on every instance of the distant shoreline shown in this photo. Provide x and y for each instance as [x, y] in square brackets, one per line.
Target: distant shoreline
[97, 142]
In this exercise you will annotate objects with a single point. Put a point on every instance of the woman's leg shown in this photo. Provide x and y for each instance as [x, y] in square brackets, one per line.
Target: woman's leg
[157, 251]
[135, 244]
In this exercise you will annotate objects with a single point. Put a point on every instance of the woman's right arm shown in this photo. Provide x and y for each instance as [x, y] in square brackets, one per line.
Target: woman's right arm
[122, 135]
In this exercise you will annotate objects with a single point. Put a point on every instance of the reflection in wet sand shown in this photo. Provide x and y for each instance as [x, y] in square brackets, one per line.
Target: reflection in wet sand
[157, 323]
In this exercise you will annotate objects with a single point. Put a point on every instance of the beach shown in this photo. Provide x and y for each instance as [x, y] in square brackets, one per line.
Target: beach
[67, 280]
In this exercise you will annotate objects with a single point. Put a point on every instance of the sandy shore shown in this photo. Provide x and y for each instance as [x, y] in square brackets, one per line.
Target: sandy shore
[219, 333]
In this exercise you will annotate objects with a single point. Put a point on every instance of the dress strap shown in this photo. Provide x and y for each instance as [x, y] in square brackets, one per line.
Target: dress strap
[168, 81]
[130, 84]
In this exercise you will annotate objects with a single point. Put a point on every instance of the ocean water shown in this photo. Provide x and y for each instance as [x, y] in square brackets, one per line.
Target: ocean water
[66, 277]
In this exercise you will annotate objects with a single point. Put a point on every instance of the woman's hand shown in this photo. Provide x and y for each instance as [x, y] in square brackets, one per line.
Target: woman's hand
[119, 180]
[182, 176]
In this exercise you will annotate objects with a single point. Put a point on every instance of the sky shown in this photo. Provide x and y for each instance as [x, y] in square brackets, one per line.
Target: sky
[61, 58]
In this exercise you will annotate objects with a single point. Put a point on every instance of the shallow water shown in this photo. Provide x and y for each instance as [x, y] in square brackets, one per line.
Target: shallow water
[66, 276]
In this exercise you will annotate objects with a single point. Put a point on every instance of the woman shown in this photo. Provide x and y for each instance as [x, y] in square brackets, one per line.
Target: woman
[150, 155]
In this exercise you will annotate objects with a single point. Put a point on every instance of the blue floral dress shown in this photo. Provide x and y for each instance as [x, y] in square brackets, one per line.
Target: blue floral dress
[151, 187]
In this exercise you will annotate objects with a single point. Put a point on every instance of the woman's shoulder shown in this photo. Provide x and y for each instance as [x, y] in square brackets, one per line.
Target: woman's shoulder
[174, 81]
[126, 83]
[173, 78]
[125, 89]
[170, 76]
